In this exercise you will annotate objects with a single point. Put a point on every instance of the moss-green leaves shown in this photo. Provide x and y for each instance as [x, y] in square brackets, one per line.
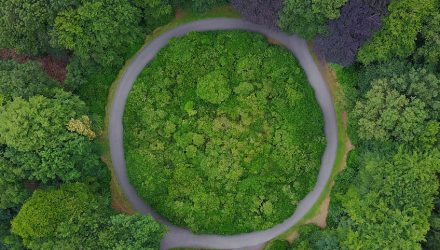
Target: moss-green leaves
[213, 88]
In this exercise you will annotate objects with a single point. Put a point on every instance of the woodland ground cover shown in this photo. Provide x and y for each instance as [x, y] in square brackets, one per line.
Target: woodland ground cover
[223, 133]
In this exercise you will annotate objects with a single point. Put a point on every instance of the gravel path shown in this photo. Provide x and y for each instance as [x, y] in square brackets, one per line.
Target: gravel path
[179, 237]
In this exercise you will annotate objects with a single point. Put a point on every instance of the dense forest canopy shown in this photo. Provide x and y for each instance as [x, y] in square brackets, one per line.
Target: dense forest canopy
[52, 138]
[222, 133]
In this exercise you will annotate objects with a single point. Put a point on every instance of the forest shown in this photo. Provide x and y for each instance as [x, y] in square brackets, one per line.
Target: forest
[58, 59]
[223, 133]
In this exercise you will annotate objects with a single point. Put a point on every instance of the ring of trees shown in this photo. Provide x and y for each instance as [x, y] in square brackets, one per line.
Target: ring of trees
[148, 53]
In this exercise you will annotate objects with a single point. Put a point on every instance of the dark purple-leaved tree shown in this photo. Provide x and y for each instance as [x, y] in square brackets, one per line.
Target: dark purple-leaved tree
[346, 34]
[380, 6]
[264, 12]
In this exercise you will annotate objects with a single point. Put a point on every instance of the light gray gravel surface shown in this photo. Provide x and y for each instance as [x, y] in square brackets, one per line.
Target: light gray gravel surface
[180, 237]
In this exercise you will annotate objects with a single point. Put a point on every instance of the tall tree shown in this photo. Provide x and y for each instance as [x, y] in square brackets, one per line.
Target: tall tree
[76, 216]
[25, 25]
[154, 12]
[346, 34]
[64, 218]
[391, 204]
[399, 108]
[99, 31]
[39, 145]
[264, 12]
[131, 233]
[308, 18]
[23, 80]
[430, 50]
[398, 36]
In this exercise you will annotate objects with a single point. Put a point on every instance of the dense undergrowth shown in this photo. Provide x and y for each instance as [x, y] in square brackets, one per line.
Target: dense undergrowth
[223, 133]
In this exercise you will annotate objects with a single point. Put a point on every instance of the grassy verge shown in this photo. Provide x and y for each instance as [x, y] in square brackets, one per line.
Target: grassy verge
[343, 146]
[119, 200]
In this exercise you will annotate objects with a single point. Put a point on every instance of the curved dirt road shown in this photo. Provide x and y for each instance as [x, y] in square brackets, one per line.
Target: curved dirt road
[179, 237]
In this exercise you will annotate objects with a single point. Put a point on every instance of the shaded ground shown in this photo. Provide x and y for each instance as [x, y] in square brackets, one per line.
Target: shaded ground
[54, 67]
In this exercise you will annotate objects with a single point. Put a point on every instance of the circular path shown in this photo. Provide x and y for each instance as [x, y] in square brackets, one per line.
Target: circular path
[180, 237]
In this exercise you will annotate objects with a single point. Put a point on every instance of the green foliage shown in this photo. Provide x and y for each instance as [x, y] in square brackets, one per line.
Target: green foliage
[430, 50]
[277, 245]
[38, 145]
[99, 31]
[25, 25]
[213, 88]
[391, 203]
[397, 38]
[308, 18]
[155, 13]
[223, 133]
[399, 108]
[76, 215]
[313, 238]
[131, 233]
[433, 236]
[198, 5]
[22, 80]
[60, 218]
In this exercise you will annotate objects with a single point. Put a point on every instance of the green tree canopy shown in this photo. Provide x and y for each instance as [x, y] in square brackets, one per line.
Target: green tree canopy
[23, 80]
[307, 18]
[223, 133]
[131, 233]
[62, 218]
[400, 28]
[430, 50]
[38, 144]
[25, 25]
[100, 31]
[75, 215]
[154, 12]
[198, 5]
[399, 108]
[392, 202]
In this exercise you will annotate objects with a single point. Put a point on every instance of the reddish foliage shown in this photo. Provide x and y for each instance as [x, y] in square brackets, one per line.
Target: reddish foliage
[54, 67]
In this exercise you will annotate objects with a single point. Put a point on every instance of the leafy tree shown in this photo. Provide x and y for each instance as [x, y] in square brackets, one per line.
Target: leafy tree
[430, 50]
[62, 218]
[380, 6]
[399, 108]
[25, 25]
[308, 18]
[99, 31]
[154, 12]
[23, 80]
[75, 215]
[131, 233]
[39, 145]
[259, 11]
[392, 202]
[347, 33]
[398, 36]
[13, 192]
